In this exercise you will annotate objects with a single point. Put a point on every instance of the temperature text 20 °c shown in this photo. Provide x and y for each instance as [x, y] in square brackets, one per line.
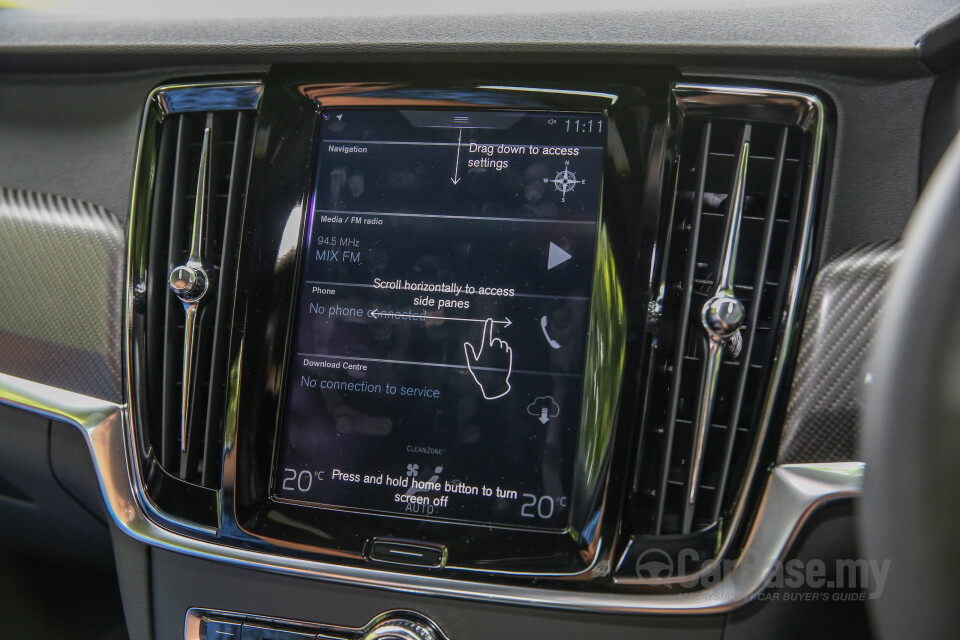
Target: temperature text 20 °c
[541, 507]
[302, 481]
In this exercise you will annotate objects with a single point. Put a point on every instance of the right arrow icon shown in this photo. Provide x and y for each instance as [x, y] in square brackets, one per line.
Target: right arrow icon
[556, 256]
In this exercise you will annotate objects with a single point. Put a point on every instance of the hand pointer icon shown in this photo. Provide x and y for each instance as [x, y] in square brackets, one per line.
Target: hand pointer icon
[491, 364]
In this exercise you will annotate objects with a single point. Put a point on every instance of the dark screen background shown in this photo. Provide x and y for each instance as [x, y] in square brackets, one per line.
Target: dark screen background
[388, 409]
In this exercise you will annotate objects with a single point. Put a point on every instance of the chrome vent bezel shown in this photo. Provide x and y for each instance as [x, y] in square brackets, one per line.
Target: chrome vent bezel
[747, 106]
[178, 484]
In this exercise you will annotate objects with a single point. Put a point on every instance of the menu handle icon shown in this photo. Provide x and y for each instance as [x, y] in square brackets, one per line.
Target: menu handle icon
[491, 364]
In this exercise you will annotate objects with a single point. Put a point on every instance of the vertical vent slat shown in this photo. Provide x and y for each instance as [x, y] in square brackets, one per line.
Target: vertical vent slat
[157, 289]
[703, 158]
[180, 211]
[730, 262]
[216, 401]
[712, 370]
[783, 275]
[192, 312]
[205, 234]
[196, 457]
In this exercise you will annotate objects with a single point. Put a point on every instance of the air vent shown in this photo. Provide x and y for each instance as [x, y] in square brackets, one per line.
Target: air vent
[735, 252]
[186, 240]
[201, 179]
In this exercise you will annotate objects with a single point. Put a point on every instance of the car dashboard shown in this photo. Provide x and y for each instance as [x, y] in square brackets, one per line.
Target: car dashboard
[432, 323]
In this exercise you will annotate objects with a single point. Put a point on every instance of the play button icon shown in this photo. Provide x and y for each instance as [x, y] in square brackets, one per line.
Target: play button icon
[556, 256]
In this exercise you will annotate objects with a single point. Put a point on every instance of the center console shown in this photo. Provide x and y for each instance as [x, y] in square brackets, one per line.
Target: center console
[518, 340]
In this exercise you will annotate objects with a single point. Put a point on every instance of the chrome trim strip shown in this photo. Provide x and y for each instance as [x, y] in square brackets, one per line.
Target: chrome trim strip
[749, 103]
[200, 203]
[793, 492]
[84, 412]
[731, 240]
[191, 304]
[716, 344]
[787, 108]
[226, 96]
[189, 329]
[708, 392]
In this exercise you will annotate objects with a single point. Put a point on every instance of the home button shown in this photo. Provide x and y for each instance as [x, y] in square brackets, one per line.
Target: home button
[411, 553]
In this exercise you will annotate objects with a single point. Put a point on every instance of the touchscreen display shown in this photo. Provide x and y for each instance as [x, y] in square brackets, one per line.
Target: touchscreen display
[437, 362]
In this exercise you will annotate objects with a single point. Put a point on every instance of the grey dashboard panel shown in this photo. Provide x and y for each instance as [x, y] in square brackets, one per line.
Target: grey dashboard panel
[40, 512]
[823, 414]
[62, 261]
[938, 45]
[802, 612]
[73, 135]
[943, 119]
[832, 29]
[877, 148]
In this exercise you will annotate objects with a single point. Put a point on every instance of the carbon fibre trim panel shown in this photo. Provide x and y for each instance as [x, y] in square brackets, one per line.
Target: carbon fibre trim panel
[61, 283]
[823, 414]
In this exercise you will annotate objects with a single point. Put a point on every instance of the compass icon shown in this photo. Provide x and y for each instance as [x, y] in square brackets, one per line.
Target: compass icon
[565, 182]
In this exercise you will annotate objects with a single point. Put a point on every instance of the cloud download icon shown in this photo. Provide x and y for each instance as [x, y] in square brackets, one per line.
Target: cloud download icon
[543, 408]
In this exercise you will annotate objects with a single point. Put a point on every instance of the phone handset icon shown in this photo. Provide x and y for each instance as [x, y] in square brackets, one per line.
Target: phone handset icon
[543, 327]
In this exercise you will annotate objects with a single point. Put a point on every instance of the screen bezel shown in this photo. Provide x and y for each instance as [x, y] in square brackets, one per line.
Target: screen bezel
[282, 179]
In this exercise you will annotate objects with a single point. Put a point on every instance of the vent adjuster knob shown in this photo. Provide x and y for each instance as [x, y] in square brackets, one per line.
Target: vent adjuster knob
[723, 316]
[188, 282]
